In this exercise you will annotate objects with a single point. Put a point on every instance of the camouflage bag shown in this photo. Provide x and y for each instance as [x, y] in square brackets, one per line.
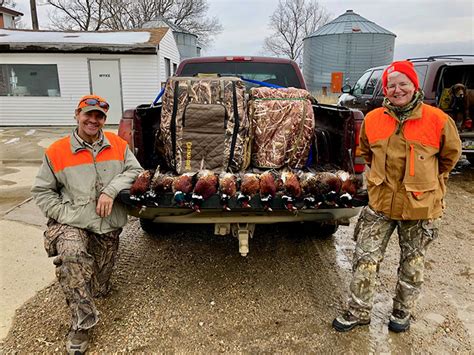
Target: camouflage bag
[204, 124]
[283, 127]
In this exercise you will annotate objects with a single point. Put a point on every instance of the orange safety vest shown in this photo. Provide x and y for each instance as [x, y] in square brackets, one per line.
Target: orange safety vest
[61, 154]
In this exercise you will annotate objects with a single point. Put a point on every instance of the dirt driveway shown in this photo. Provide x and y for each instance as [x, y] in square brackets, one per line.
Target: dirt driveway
[190, 291]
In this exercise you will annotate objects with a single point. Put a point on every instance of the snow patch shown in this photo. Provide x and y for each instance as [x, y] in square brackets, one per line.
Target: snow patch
[9, 36]
[13, 141]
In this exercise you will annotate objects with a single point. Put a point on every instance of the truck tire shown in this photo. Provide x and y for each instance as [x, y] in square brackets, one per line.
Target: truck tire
[148, 226]
[470, 158]
[324, 230]
[319, 230]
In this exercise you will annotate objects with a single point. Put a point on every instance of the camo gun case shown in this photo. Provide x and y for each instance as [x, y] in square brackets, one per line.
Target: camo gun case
[204, 124]
[283, 127]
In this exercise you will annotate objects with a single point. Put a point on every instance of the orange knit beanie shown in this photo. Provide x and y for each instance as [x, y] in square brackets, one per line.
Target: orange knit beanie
[405, 67]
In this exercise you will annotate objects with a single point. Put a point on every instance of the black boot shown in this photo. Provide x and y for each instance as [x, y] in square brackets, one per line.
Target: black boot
[399, 321]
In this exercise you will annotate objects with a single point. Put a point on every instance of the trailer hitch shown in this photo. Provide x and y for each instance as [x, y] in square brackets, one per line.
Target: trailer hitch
[243, 231]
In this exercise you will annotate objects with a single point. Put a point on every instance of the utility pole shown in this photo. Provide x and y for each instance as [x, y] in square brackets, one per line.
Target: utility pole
[34, 15]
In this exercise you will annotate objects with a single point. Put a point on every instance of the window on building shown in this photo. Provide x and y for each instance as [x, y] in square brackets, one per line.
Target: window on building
[29, 80]
[167, 68]
[175, 67]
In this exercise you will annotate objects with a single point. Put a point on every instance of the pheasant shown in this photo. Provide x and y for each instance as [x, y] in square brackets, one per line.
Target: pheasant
[291, 189]
[182, 188]
[248, 188]
[268, 187]
[228, 188]
[205, 187]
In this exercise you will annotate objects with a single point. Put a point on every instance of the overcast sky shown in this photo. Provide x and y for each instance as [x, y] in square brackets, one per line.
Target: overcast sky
[423, 27]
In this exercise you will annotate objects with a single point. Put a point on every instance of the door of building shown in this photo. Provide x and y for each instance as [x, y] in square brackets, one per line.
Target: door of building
[106, 82]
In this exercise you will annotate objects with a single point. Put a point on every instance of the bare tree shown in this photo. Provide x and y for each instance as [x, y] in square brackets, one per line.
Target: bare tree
[90, 15]
[291, 22]
[85, 15]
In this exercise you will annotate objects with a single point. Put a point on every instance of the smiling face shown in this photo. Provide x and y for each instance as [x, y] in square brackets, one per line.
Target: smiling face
[89, 124]
[400, 89]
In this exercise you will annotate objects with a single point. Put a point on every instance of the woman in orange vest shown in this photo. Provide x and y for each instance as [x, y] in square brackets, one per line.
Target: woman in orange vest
[410, 148]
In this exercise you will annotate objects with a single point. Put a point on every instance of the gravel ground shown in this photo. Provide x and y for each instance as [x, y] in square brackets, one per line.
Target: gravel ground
[187, 291]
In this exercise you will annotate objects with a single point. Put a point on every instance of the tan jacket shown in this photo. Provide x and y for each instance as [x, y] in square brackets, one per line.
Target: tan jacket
[72, 177]
[409, 168]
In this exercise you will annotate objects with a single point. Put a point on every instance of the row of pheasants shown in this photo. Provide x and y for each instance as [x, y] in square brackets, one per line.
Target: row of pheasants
[316, 189]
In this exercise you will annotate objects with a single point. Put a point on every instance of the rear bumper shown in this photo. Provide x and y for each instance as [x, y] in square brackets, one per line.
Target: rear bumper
[467, 140]
[166, 211]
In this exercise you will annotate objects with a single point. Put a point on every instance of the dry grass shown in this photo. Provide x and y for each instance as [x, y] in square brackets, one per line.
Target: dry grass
[330, 99]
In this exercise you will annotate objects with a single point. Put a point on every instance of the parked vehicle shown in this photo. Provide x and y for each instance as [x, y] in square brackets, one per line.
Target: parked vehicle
[335, 125]
[436, 74]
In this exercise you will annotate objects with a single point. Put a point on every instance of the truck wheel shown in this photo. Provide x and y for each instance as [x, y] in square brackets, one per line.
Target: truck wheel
[470, 158]
[324, 230]
[148, 226]
[319, 230]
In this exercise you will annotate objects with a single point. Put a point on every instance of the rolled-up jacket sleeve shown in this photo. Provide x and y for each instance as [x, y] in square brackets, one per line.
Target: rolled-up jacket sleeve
[124, 180]
[450, 147]
[45, 191]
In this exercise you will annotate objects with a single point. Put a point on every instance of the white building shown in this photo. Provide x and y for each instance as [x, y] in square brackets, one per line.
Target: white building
[8, 17]
[43, 74]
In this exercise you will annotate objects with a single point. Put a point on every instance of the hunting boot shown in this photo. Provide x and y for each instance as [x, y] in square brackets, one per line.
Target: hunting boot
[399, 321]
[77, 341]
[348, 321]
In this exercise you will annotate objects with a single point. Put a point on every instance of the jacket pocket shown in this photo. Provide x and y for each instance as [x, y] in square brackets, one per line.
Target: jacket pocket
[375, 189]
[421, 200]
[118, 217]
[74, 211]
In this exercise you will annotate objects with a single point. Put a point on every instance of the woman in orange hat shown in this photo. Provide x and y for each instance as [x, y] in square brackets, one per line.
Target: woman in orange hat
[410, 148]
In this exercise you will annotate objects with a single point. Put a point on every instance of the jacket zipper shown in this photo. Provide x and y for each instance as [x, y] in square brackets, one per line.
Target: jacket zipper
[412, 160]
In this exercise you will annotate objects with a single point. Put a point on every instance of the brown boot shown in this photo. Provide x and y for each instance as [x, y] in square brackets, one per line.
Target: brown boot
[77, 341]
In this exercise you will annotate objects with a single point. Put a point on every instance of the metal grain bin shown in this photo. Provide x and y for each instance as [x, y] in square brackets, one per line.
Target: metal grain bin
[186, 42]
[349, 44]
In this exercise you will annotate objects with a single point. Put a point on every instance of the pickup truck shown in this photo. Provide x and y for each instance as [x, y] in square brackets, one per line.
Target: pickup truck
[336, 129]
[436, 74]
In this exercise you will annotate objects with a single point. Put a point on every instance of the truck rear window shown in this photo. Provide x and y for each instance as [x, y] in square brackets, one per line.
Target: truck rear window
[273, 73]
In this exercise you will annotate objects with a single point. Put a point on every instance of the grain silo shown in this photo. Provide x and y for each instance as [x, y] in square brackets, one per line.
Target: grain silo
[186, 41]
[339, 52]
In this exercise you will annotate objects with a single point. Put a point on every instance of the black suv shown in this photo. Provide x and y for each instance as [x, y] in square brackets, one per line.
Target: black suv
[436, 74]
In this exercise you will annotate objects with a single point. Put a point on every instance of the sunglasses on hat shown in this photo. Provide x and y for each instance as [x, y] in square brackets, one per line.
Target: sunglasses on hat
[94, 102]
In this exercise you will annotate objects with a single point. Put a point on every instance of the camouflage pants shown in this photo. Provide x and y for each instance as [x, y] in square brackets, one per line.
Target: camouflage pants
[372, 233]
[84, 262]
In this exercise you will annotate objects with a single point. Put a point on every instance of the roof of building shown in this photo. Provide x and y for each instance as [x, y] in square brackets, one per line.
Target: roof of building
[160, 21]
[350, 22]
[5, 10]
[139, 41]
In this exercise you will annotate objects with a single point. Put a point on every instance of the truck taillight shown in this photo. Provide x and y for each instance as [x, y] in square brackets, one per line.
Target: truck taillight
[125, 131]
[359, 162]
[238, 59]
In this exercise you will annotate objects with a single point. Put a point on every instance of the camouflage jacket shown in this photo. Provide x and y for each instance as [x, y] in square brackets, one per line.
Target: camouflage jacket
[72, 177]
